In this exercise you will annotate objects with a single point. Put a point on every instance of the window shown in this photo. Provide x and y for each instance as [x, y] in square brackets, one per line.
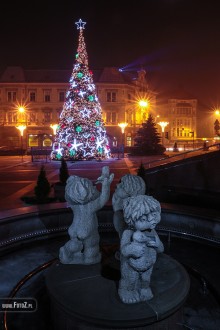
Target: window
[1, 117]
[111, 117]
[61, 96]
[111, 96]
[58, 114]
[32, 117]
[128, 141]
[32, 96]
[33, 140]
[12, 117]
[12, 96]
[184, 110]
[115, 142]
[47, 116]
[46, 96]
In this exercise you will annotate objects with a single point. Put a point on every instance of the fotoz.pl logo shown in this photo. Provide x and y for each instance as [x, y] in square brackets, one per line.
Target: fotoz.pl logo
[18, 305]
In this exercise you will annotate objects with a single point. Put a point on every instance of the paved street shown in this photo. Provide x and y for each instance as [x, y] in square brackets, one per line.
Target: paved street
[18, 176]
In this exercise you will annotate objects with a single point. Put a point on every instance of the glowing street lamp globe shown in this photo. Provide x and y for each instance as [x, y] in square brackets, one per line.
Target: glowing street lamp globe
[21, 109]
[143, 103]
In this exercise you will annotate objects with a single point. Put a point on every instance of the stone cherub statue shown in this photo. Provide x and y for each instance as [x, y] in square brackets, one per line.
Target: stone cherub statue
[130, 185]
[139, 247]
[85, 200]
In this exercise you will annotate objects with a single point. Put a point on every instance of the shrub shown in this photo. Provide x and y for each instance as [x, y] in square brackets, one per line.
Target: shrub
[64, 173]
[42, 189]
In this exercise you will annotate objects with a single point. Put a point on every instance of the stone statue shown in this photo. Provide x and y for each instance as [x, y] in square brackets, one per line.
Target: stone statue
[138, 248]
[85, 200]
[130, 185]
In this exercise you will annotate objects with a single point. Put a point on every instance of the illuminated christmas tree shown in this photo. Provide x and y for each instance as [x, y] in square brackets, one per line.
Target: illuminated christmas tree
[81, 133]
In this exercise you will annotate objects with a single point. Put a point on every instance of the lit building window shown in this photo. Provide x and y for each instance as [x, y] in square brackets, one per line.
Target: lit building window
[1, 117]
[12, 117]
[128, 141]
[32, 117]
[33, 140]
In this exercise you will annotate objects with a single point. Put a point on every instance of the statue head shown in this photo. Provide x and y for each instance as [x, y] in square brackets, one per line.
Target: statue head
[130, 185]
[80, 190]
[141, 212]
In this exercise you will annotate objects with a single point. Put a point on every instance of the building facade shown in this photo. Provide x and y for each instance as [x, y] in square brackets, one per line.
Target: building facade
[33, 101]
[182, 126]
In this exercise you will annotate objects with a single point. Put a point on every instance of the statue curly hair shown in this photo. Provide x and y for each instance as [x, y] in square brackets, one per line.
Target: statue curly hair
[79, 190]
[135, 207]
[133, 185]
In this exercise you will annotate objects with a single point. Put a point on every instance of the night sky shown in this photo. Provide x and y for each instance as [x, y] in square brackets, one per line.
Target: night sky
[176, 41]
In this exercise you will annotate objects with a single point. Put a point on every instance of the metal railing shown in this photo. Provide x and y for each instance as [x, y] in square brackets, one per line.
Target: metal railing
[182, 155]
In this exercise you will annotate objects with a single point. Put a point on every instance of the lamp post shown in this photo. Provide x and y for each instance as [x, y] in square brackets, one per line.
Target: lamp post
[22, 120]
[163, 124]
[22, 123]
[192, 138]
[216, 125]
[122, 126]
[21, 129]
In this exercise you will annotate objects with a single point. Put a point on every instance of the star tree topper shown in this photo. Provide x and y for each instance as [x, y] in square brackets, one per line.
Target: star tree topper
[80, 24]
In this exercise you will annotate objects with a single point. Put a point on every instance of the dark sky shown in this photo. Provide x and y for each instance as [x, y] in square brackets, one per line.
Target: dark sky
[176, 41]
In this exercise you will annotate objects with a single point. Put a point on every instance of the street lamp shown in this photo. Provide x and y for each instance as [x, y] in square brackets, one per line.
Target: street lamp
[54, 128]
[22, 119]
[21, 109]
[143, 103]
[163, 124]
[122, 126]
[22, 115]
[21, 129]
[22, 123]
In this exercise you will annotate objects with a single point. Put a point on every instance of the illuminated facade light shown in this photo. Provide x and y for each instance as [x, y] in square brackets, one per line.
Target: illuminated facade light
[123, 126]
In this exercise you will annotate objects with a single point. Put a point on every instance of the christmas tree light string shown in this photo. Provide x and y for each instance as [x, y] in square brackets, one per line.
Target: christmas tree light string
[81, 134]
